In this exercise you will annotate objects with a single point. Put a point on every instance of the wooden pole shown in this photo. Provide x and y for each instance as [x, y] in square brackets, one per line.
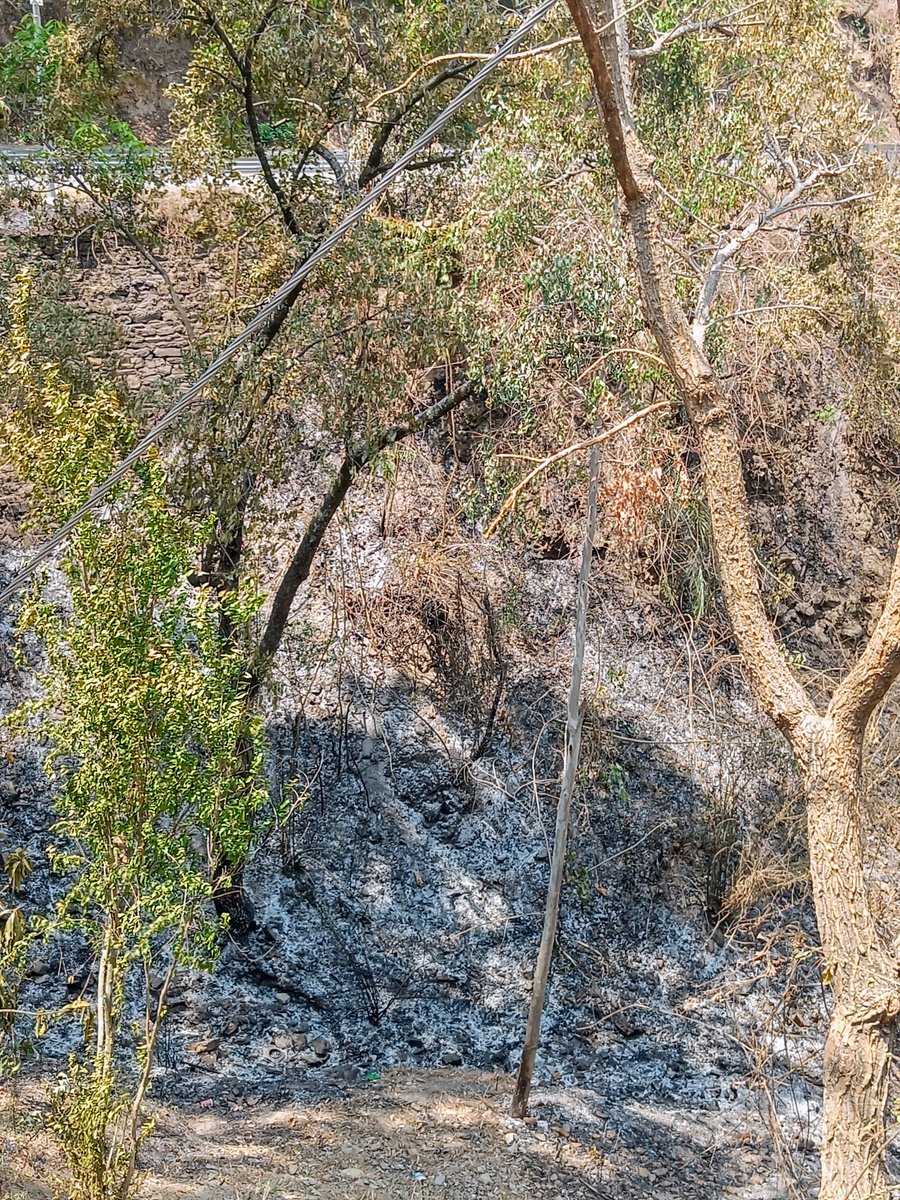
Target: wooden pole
[564, 807]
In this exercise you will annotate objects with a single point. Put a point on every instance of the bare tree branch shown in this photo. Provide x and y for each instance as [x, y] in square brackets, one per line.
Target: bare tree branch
[374, 162]
[473, 56]
[545, 464]
[571, 752]
[726, 26]
[337, 167]
[730, 248]
[437, 160]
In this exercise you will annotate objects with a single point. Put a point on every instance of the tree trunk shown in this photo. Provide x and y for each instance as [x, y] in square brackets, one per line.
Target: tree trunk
[895, 66]
[858, 965]
[106, 981]
[571, 750]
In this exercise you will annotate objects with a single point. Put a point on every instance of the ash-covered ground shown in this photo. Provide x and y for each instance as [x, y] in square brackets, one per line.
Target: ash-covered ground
[415, 742]
[399, 905]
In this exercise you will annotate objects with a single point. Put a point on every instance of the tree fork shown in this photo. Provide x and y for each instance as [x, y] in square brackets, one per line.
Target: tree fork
[862, 970]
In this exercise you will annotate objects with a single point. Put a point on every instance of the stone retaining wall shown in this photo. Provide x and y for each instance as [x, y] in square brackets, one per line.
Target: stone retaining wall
[127, 289]
[124, 287]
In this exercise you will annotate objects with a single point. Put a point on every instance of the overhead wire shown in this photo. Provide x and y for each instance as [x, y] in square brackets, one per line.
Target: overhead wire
[340, 230]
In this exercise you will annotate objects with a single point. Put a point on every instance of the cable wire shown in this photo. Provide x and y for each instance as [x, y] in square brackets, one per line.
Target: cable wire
[284, 292]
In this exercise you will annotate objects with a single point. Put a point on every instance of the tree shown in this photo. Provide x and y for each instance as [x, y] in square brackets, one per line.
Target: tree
[141, 707]
[859, 965]
[571, 749]
[259, 79]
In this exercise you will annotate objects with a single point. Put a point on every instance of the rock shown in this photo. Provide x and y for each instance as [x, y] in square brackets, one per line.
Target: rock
[204, 1046]
[451, 1058]
[321, 1047]
[440, 1180]
[352, 1173]
[282, 998]
[852, 630]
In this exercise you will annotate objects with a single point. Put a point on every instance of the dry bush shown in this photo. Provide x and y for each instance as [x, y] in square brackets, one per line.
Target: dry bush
[435, 620]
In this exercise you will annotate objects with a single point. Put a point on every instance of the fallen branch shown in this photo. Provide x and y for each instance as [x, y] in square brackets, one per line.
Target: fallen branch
[510, 502]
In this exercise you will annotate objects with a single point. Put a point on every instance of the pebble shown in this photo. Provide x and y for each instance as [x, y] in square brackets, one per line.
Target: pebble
[440, 1180]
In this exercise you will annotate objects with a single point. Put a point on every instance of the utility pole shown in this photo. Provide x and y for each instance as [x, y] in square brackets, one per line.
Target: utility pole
[36, 6]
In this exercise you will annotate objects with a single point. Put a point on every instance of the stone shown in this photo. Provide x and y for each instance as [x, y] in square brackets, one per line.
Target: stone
[204, 1046]
[852, 630]
[451, 1058]
[440, 1180]
[321, 1047]
[282, 998]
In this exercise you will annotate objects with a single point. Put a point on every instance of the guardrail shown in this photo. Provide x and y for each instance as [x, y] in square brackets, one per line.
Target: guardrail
[11, 156]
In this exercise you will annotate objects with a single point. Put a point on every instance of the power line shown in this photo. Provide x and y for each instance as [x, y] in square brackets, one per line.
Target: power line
[284, 292]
